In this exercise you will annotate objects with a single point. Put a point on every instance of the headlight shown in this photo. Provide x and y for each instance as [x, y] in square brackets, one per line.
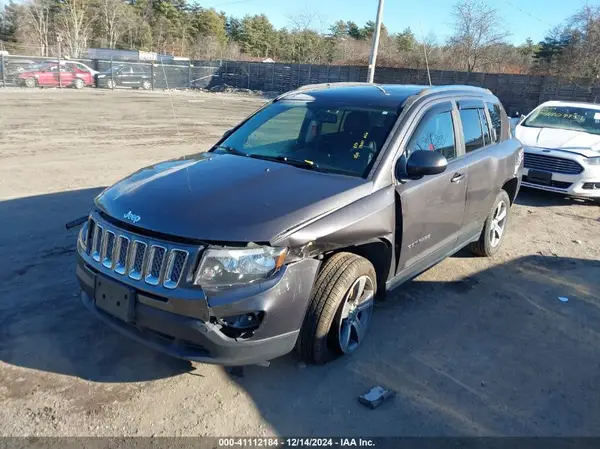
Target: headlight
[101, 76]
[593, 160]
[233, 266]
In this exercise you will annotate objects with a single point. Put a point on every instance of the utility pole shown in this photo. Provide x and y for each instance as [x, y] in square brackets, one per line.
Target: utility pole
[2, 68]
[373, 59]
[59, 41]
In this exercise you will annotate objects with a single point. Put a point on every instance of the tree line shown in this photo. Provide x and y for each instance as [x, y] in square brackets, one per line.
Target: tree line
[478, 43]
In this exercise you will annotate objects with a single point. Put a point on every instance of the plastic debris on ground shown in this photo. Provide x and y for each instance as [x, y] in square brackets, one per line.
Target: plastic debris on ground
[375, 396]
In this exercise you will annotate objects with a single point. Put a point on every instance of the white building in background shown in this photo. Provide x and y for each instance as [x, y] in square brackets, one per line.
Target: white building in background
[105, 54]
[121, 55]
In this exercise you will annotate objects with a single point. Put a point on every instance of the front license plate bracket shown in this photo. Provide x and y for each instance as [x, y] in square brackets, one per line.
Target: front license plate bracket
[115, 299]
[540, 177]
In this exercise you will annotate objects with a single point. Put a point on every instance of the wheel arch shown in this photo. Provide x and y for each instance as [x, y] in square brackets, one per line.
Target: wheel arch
[511, 187]
[378, 251]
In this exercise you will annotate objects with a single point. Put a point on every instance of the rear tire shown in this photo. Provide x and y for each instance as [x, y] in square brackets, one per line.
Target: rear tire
[78, 83]
[494, 228]
[339, 309]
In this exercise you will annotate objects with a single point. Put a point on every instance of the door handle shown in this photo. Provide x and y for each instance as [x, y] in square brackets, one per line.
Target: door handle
[457, 177]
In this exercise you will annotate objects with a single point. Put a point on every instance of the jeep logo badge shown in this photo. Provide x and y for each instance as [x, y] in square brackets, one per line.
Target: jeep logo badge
[132, 217]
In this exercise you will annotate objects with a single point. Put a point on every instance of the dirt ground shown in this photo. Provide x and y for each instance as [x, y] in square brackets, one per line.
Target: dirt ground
[472, 347]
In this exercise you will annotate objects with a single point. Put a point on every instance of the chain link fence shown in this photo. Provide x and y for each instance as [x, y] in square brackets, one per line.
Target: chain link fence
[518, 93]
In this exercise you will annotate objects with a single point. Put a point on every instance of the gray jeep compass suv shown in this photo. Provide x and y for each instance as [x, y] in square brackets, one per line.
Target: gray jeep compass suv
[282, 235]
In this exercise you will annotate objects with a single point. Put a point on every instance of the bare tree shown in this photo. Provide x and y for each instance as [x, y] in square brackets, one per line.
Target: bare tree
[35, 26]
[74, 26]
[477, 27]
[582, 55]
[303, 20]
[113, 18]
[308, 44]
[350, 51]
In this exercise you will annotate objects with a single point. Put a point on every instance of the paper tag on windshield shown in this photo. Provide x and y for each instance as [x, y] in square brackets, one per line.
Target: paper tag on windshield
[597, 116]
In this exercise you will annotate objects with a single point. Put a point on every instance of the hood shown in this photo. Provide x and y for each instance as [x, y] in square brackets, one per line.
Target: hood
[578, 142]
[227, 198]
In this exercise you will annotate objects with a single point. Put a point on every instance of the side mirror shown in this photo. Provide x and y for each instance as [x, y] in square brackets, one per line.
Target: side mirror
[422, 163]
[227, 133]
[521, 119]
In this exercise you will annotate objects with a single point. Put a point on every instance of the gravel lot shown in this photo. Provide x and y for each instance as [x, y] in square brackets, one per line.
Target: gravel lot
[472, 347]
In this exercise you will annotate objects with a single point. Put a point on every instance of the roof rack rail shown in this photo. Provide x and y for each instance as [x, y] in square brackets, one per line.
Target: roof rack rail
[426, 89]
[326, 86]
[454, 87]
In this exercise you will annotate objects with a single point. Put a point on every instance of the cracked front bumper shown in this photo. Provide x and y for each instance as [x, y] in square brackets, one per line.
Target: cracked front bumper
[168, 323]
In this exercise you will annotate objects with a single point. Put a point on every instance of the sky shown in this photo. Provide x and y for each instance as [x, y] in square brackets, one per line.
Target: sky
[523, 19]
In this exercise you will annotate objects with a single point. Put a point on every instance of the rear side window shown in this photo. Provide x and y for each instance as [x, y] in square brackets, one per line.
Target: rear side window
[434, 133]
[496, 117]
[471, 125]
[484, 127]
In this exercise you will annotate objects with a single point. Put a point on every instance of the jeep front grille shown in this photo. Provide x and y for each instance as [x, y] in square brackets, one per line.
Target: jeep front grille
[155, 263]
[97, 242]
[109, 249]
[135, 258]
[122, 253]
[175, 265]
[137, 266]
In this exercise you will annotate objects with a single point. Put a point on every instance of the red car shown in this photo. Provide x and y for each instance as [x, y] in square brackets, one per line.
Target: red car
[71, 75]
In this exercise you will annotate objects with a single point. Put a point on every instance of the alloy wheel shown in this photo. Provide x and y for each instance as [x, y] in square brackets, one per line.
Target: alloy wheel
[498, 223]
[355, 316]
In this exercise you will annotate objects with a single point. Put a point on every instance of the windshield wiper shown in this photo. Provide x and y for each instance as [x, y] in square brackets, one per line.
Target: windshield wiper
[232, 150]
[303, 163]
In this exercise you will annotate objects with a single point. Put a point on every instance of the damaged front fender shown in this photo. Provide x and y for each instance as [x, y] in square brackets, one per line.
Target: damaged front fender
[371, 217]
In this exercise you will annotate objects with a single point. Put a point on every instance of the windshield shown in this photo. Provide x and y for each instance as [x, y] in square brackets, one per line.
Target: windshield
[342, 138]
[574, 118]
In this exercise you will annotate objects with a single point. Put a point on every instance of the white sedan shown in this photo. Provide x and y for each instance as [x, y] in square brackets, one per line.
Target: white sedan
[562, 148]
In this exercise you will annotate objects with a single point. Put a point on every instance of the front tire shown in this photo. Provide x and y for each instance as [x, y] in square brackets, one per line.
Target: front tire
[340, 308]
[146, 85]
[494, 228]
[110, 84]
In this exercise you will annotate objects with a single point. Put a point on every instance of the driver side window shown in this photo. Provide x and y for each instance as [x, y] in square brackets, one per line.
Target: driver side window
[435, 132]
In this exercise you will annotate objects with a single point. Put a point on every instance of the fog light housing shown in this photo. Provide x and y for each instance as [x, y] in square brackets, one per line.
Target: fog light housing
[591, 185]
[240, 326]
